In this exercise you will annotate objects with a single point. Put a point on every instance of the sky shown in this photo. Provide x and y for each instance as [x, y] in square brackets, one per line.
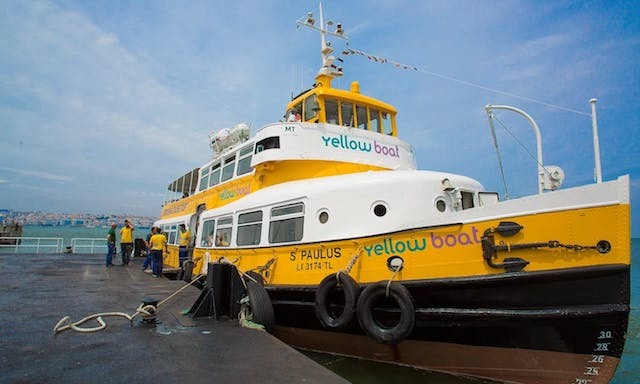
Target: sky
[103, 103]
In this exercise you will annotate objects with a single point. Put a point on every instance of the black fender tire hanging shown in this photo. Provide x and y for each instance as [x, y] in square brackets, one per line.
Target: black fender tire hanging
[350, 289]
[254, 275]
[261, 306]
[376, 330]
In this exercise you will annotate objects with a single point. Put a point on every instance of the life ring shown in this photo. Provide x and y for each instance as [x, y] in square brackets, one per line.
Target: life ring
[261, 307]
[350, 290]
[383, 333]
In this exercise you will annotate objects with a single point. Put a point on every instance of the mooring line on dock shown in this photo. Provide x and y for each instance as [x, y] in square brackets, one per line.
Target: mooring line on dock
[147, 311]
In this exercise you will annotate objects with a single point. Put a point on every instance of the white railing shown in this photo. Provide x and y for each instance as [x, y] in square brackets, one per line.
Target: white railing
[89, 245]
[31, 244]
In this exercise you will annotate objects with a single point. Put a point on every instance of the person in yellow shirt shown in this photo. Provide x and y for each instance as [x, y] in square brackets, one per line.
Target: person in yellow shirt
[158, 244]
[126, 242]
[185, 238]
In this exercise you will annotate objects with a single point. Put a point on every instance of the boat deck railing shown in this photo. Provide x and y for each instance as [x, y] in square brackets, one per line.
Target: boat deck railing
[51, 245]
[88, 245]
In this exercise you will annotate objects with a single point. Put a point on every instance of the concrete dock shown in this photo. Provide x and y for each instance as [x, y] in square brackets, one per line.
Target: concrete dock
[38, 290]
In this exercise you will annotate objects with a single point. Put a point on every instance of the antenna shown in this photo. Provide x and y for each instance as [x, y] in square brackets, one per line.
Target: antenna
[328, 67]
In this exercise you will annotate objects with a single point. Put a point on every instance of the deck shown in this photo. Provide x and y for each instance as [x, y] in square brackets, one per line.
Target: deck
[39, 289]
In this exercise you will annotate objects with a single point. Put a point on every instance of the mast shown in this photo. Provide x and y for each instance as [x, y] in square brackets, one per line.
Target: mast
[329, 70]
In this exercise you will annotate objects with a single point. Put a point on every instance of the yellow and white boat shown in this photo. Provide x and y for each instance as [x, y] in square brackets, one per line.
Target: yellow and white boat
[362, 254]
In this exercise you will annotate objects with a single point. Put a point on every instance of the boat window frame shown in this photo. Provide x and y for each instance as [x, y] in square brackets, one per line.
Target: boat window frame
[203, 181]
[207, 237]
[311, 107]
[387, 122]
[224, 231]
[252, 226]
[271, 142]
[285, 218]
[244, 160]
[351, 121]
[229, 163]
[215, 169]
[365, 123]
[334, 110]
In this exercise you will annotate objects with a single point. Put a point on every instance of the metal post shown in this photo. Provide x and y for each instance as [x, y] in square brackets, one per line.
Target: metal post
[596, 141]
[538, 138]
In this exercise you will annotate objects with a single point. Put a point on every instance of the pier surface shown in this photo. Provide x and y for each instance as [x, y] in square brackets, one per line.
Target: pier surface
[37, 290]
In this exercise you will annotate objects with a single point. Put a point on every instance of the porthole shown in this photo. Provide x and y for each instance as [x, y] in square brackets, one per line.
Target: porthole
[379, 210]
[323, 217]
[441, 205]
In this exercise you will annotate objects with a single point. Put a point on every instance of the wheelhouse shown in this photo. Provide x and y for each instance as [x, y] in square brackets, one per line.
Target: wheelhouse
[349, 108]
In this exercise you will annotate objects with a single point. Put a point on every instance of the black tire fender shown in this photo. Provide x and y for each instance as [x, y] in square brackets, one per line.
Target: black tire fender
[261, 306]
[351, 291]
[377, 331]
[255, 276]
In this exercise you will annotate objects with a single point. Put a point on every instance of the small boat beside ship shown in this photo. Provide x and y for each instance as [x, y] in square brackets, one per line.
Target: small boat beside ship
[362, 254]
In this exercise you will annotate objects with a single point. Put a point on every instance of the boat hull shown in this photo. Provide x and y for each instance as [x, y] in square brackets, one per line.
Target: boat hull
[565, 326]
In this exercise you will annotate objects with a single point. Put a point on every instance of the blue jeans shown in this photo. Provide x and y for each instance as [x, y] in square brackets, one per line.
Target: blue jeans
[111, 251]
[183, 254]
[148, 262]
[157, 262]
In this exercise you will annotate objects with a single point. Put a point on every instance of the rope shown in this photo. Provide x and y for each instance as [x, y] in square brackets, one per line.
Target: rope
[146, 311]
[390, 281]
[350, 264]
[245, 317]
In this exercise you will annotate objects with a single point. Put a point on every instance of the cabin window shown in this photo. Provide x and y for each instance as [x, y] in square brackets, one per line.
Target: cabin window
[467, 199]
[347, 114]
[171, 233]
[204, 178]
[374, 120]
[296, 109]
[223, 233]
[331, 111]
[310, 108]
[361, 116]
[387, 128]
[286, 223]
[228, 168]
[244, 160]
[268, 143]
[249, 228]
[214, 177]
[208, 233]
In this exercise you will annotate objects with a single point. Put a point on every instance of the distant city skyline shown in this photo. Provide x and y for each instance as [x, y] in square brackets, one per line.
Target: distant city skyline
[9, 216]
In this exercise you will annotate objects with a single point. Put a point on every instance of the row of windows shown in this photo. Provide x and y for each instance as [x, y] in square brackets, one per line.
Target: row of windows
[222, 171]
[347, 114]
[284, 224]
[360, 116]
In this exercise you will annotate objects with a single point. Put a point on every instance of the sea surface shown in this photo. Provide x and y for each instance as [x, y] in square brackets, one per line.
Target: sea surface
[361, 372]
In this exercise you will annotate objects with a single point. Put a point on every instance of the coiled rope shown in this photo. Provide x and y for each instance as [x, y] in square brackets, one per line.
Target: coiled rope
[145, 311]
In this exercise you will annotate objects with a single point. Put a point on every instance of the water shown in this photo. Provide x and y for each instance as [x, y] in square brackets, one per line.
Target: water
[360, 371]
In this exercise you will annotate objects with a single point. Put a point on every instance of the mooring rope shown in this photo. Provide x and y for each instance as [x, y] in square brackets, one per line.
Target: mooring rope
[146, 311]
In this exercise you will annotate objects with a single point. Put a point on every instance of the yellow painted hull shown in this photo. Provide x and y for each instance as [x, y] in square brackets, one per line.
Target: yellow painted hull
[443, 252]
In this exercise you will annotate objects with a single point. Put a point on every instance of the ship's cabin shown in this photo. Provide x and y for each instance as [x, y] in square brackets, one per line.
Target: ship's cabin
[349, 108]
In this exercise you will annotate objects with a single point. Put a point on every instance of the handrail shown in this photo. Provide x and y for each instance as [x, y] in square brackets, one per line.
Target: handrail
[32, 244]
[80, 244]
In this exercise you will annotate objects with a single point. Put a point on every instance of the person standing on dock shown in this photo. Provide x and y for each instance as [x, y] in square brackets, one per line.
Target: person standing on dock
[185, 238]
[126, 242]
[111, 244]
[158, 243]
[148, 261]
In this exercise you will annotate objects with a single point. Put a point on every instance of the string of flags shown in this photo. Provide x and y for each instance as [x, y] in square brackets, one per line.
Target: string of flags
[377, 59]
